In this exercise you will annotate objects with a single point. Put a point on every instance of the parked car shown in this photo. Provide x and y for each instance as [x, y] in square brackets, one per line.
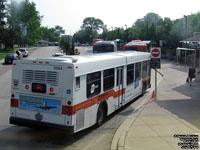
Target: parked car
[24, 52]
[10, 57]
[57, 54]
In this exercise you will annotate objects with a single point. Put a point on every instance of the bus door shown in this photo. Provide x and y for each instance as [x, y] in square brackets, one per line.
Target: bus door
[120, 86]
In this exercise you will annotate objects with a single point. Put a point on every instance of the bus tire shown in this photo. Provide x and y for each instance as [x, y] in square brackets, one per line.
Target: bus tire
[101, 113]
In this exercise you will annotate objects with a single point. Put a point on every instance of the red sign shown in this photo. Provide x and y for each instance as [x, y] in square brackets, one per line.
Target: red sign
[76, 51]
[155, 52]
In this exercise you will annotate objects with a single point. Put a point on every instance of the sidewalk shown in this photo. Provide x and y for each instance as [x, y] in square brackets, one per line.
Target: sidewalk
[156, 124]
[2, 61]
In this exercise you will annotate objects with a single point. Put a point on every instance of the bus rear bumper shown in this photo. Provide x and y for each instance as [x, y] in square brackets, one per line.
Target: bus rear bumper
[39, 124]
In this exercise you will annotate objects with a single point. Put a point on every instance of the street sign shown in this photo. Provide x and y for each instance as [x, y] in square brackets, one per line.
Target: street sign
[76, 52]
[155, 63]
[155, 57]
[155, 52]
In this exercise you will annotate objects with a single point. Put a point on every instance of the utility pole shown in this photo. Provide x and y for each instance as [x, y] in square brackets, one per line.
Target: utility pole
[126, 39]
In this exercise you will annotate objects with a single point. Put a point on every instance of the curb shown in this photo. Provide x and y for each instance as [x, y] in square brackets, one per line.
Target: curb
[119, 138]
[120, 134]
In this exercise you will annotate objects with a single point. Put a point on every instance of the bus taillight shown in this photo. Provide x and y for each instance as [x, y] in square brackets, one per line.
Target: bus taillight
[14, 102]
[27, 87]
[67, 110]
[51, 89]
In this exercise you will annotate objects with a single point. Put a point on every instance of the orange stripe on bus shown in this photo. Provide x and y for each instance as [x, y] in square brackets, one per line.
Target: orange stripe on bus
[92, 101]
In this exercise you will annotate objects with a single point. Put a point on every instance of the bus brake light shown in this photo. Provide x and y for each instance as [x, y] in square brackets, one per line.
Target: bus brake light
[27, 87]
[14, 103]
[51, 89]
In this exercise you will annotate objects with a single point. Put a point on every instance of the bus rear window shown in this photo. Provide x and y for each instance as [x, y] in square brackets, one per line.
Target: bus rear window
[132, 48]
[103, 48]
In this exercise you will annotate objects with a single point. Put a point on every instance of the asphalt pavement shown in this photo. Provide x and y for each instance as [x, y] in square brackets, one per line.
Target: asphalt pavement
[171, 122]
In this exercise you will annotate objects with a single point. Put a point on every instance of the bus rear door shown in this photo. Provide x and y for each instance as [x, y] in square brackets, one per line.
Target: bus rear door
[120, 86]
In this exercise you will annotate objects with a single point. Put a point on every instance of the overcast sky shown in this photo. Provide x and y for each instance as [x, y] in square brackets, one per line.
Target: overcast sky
[114, 13]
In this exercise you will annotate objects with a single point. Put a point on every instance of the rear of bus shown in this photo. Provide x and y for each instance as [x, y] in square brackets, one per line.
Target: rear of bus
[96, 40]
[41, 94]
[135, 46]
[104, 47]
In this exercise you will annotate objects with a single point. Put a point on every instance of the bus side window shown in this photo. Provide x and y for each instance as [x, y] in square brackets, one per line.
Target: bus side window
[130, 74]
[138, 71]
[93, 84]
[144, 69]
[118, 77]
[108, 79]
[77, 82]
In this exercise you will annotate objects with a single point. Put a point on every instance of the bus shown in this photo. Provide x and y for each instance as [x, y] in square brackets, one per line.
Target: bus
[104, 47]
[78, 91]
[96, 40]
[136, 45]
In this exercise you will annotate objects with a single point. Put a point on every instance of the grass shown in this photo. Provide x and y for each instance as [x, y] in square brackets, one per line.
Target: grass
[2, 56]
[3, 53]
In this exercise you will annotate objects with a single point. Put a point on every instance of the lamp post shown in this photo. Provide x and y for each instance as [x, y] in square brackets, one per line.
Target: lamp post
[126, 34]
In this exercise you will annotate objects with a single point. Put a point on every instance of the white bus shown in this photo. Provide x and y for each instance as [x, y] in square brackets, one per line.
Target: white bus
[76, 92]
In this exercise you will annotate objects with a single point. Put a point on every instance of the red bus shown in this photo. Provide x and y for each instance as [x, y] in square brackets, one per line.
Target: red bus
[136, 45]
[95, 40]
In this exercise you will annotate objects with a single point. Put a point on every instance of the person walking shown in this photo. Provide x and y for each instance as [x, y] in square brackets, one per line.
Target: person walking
[191, 74]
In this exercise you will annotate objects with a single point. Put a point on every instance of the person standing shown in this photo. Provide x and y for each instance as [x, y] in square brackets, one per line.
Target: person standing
[191, 74]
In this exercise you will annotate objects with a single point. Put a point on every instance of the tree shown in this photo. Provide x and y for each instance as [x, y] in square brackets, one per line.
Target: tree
[52, 34]
[24, 18]
[83, 36]
[8, 36]
[104, 34]
[59, 30]
[65, 44]
[163, 31]
[152, 18]
[91, 26]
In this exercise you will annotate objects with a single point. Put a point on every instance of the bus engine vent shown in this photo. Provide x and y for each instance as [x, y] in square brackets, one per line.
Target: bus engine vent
[37, 76]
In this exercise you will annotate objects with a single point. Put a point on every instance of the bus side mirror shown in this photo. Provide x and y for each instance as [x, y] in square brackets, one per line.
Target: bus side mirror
[19, 54]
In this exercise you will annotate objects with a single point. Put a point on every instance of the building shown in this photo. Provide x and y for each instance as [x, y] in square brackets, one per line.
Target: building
[189, 53]
[2, 13]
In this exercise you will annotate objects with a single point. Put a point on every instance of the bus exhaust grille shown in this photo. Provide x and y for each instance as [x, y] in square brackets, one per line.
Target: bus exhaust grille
[37, 76]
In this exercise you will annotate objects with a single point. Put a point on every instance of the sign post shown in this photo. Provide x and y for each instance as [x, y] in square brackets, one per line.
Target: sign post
[155, 63]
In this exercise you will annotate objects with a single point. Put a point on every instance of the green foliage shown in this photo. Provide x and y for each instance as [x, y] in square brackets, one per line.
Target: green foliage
[67, 44]
[3, 52]
[8, 36]
[152, 18]
[2, 56]
[89, 30]
[24, 20]
[51, 34]
[83, 36]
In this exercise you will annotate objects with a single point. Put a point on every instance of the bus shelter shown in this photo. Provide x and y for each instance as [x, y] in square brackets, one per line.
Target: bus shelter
[186, 55]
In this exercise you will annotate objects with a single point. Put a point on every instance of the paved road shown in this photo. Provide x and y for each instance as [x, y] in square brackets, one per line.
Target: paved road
[4, 68]
[17, 137]
[84, 49]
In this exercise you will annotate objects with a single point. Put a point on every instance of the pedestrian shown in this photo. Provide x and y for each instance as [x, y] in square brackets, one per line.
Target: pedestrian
[191, 74]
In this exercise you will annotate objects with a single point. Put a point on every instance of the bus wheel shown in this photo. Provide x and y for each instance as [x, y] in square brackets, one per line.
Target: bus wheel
[101, 114]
